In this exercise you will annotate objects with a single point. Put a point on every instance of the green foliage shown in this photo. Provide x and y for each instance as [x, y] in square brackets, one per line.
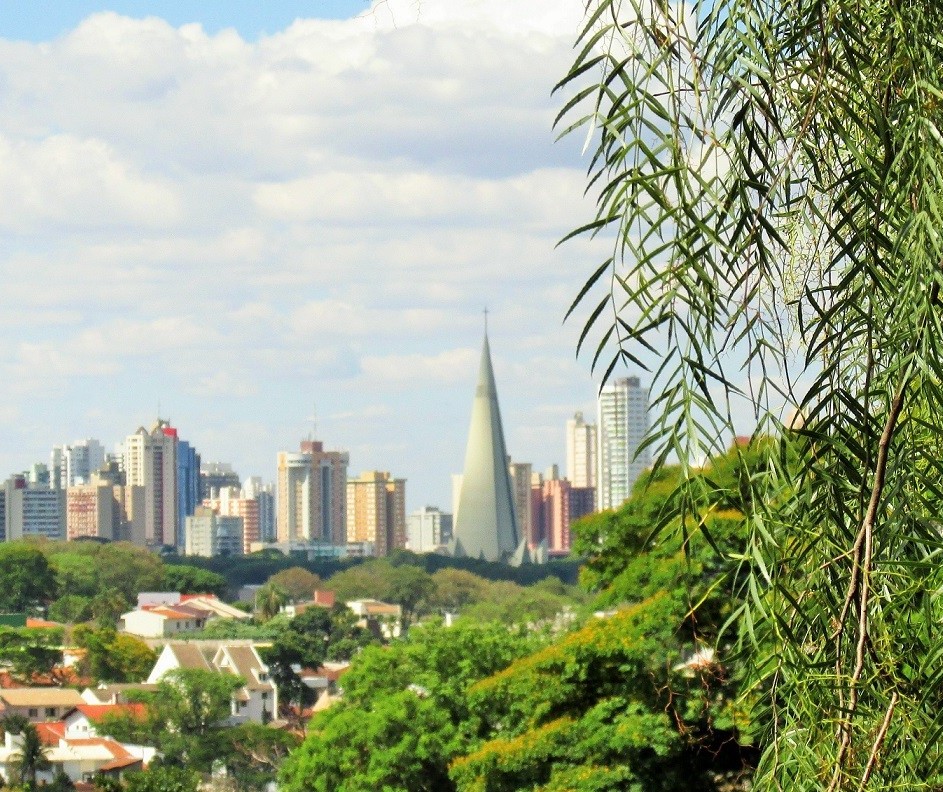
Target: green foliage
[253, 753]
[268, 600]
[608, 707]
[70, 608]
[184, 716]
[401, 720]
[112, 656]
[298, 583]
[26, 579]
[770, 177]
[313, 636]
[193, 580]
[30, 754]
[163, 778]
[28, 652]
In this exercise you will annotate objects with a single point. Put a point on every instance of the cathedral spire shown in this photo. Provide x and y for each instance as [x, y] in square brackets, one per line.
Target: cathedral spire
[485, 524]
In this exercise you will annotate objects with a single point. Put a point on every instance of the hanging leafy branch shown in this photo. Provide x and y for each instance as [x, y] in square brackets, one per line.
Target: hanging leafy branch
[769, 174]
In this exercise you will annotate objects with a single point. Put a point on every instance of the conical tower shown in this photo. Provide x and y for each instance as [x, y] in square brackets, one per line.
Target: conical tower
[485, 525]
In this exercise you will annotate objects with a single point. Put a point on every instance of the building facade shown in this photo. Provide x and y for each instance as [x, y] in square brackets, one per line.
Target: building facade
[428, 529]
[150, 461]
[32, 510]
[74, 464]
[210, 534]
[580, 452]
[376, 511]
[622, 426]
[312, 494]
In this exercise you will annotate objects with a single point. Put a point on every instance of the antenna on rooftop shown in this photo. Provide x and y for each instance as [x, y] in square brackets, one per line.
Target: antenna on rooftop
[485, 312]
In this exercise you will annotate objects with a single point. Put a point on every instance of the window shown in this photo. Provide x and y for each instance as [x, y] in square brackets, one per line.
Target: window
[264, 696]
[50, 712]
[32, 712]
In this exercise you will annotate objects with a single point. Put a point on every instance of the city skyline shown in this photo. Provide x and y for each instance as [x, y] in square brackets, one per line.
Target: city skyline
[289, 228]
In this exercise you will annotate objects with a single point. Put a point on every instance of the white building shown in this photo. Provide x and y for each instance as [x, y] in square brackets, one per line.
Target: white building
[162, 621]
[256, 700]
[428, 529]
[32, 510]
[580, 452]
[211, 534]
[622, 425]
[74, 464]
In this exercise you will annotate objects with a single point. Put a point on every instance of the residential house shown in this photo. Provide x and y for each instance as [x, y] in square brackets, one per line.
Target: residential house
[162, 621]
[83, 720]
[256, 700]
[82, 760]
[113, 693]
[381, 618]
[39, 703]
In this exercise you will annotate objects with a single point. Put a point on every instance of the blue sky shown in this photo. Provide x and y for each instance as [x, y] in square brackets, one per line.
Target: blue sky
[289, 234]
[42, 20]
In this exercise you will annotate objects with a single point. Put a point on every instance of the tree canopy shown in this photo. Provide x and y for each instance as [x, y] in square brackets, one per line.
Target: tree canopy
[770, 197]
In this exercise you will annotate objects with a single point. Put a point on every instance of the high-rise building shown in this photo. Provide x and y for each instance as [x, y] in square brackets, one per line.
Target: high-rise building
[622, 426]
[214, 476]
[521, 473]
[486, 523]
[580, 452]
[557, 505]
[376, 511]
[211, 534]
[188, 484]
[427, 529]
[74, 464]
[231, 503]
[264, 494]
[33, 509]
[312, 495]
[150, 461]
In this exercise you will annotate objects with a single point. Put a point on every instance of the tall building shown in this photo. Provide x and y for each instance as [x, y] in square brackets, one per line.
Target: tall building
[74, 464]
[231, 503]
[312, 495]
[211, 534]
[376, 511]
[150, 461]
[427, 529]
[557, 505]
[188, 484]
[622, 425]
[32, 509]
[521, 473]
[264, 494]
[486, 524]
[580, 452]
[214, 476]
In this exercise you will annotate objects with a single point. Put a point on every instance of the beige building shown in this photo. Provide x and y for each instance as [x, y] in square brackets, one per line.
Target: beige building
[580, 452]
[312, 496]
[150, 461]
[38, 704]
[211, 534]
[105, 510]
[376, 511]
[230, 503]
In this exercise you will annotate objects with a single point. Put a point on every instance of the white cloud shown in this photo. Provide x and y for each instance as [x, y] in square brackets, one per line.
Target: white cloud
[245, 229]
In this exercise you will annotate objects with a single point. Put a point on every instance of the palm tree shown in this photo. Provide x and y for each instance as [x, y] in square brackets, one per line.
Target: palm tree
[30, 754]
[268, 599]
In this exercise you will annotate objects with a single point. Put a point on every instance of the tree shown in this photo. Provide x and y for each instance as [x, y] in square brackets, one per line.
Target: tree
[185, 716]
[401, 719]
[114, 657]
[297, 582]
[193, 580]
[268, 600]
[30, 752]
[163, 778]
[769, 178]
[26, 579]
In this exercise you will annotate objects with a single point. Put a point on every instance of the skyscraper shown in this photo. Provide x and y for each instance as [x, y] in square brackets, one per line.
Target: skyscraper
[485, 523]
[376, 511]
[74, 464]
[622, 425]
[188, 485]
[312, 495]
[580, 452]
[150, 460]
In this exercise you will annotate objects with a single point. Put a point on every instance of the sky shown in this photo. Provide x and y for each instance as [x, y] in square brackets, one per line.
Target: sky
[268, 225]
